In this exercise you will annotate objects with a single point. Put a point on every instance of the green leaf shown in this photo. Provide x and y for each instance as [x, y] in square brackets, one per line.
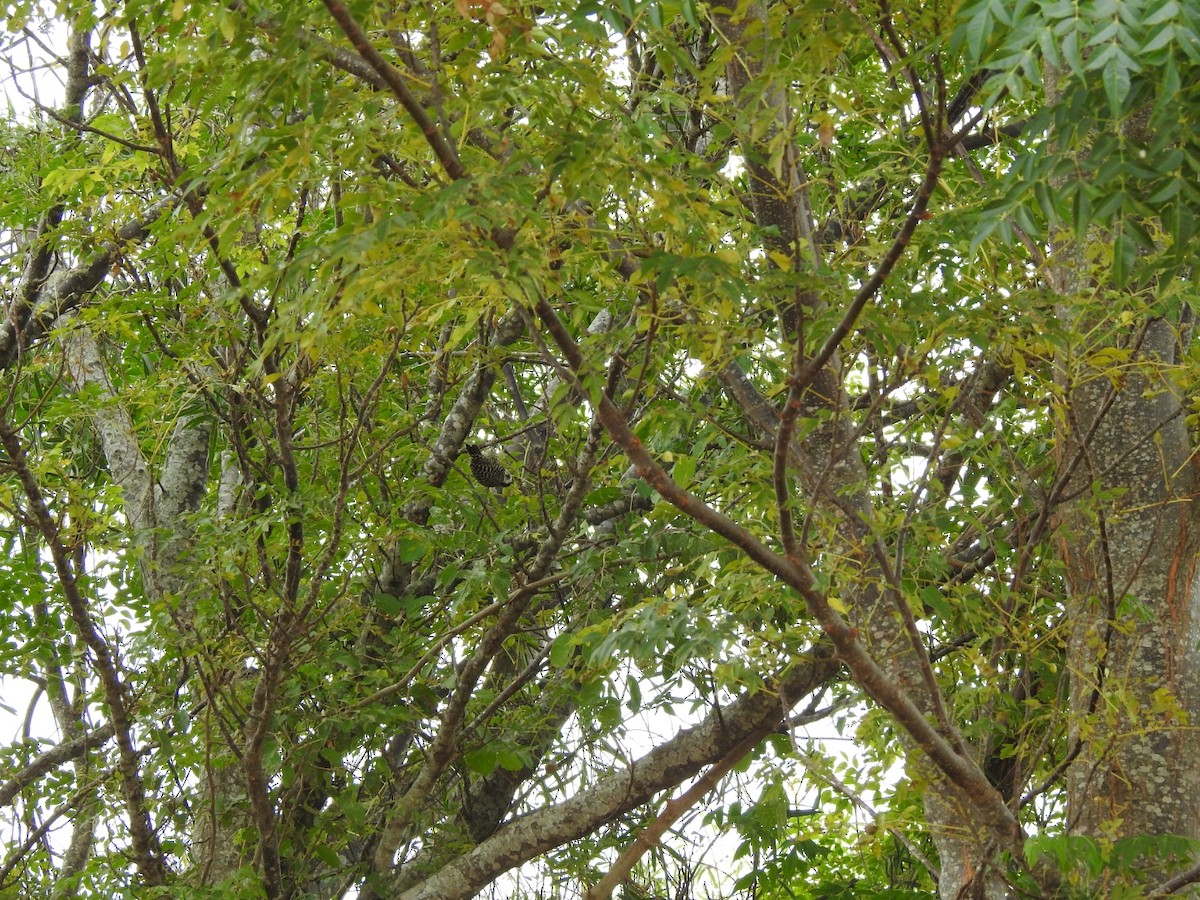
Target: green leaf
[327, 855]
[562, 651]
[409, 550]
[482, 761]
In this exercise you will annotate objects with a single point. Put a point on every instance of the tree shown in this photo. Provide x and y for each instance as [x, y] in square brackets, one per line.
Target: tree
[840, 359]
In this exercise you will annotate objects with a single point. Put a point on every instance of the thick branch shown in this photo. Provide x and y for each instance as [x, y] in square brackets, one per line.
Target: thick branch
[752, 717]
[28, 322]
[51, 759]
[964, 773]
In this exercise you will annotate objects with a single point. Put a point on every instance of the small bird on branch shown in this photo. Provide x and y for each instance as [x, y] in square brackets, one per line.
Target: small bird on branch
[487, 471]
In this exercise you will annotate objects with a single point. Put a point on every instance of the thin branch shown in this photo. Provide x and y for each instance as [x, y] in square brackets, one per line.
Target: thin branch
[1177, 882]
[808, 372]
[873, 679]
[395, 81]
[671, 813]
[491, 609]
[37, 835]
[84, 128]
[147, 851]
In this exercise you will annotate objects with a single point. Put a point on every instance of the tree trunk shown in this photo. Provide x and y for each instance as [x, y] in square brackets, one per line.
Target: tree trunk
[1130, 547]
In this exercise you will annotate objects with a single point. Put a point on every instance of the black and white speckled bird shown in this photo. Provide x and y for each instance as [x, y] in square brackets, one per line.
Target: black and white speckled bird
[487, 471]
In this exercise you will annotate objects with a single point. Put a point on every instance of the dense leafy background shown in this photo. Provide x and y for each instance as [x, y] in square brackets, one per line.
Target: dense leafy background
[255, 308]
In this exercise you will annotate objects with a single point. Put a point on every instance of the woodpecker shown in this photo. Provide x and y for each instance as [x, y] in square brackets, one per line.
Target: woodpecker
[487, 471]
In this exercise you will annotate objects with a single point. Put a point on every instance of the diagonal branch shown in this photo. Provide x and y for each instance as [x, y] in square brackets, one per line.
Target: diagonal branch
[963, 772]
[395, 81]
[805, 375]
[620, 870]
[147, 851]
[52, 758]
[40, 303]
[750, 718]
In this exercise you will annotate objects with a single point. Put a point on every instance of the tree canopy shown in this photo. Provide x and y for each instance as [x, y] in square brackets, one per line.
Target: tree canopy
[836, 361]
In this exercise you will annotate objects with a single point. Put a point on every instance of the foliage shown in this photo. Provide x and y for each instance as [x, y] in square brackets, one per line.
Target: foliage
[762, 309]
[1123, 76]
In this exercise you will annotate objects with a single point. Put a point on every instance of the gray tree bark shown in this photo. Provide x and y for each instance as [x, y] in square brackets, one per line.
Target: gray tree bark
[1130, 545]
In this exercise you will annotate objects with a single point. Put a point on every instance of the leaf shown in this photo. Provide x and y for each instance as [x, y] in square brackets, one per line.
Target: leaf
[562, 651]
[388, 604]
[1116, 82]
[683, 470]
[327, 855]
[410, 550]
[481, 761]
